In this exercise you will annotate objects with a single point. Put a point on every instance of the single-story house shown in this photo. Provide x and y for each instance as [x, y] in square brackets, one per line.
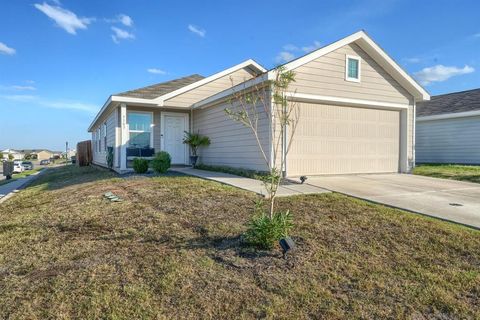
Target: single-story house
[38, 154]
[448, 128]
[17, 155]
[356, 105]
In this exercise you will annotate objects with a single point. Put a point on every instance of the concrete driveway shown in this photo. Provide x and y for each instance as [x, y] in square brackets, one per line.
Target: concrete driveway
[445, 199]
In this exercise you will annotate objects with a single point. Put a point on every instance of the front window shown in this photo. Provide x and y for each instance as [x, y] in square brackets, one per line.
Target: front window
[352, 71]
[140, 129]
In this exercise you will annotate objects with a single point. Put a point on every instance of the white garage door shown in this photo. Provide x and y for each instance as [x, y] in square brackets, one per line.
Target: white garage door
[341, 140]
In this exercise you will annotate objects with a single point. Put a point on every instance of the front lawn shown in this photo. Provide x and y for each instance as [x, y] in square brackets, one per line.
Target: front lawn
[171, 250]
[449, 171]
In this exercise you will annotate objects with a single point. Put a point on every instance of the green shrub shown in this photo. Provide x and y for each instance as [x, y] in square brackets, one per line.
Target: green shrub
[140, 165]
[161, 162]
[263, 232]
[109, 157]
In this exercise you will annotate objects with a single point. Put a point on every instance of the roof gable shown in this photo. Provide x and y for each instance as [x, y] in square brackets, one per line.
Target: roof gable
[375, 52]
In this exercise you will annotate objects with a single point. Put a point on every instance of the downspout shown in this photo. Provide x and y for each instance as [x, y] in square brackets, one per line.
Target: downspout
[284, 141]
[414, 135]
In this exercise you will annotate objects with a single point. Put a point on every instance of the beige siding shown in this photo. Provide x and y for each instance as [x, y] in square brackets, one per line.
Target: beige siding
[232, 144]
[205, 91]
[111, 129]
[338, 140]
[449, 141]
[326, 76]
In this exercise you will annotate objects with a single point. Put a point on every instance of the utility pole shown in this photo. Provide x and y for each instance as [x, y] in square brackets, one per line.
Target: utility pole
[66, 152]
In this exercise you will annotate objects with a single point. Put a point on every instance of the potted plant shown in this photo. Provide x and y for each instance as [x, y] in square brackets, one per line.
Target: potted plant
[195, 140]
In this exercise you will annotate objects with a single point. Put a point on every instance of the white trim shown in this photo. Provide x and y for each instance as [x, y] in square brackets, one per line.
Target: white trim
[152, 124]
[344, 101]
[359, 60]
[123, 136]
[450, 115]
[162, 131]
[120, 99]
[414, 132]
[248, 63]
[377, 53]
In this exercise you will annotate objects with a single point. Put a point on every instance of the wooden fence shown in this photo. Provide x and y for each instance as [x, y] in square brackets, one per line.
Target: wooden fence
[84, 153]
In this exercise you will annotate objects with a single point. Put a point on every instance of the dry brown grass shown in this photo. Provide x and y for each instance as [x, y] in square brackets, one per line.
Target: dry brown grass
[172, 249]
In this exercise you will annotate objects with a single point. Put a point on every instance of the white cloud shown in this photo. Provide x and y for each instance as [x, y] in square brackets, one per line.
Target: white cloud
[412, 60]
[64, 18]
[314, 46]
[120, 34]
[284, 56]
[476, 35]
[198, 31]
[54, 104]
[18, 88]
[290, 47]
[440, 73]
[125, 20]
[287, 53]
[156, 71]
[6, 49]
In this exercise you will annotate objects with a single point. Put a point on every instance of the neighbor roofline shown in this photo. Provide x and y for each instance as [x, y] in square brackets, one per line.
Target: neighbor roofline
[464, 114]
[247, 63]
[420, 92]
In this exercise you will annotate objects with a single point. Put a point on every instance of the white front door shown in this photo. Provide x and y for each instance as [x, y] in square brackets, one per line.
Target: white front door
[174, 126]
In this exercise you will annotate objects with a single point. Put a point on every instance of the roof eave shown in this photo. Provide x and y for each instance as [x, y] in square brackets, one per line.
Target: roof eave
[120, 99]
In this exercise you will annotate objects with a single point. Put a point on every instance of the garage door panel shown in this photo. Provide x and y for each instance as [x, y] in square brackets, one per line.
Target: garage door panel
[338, 140]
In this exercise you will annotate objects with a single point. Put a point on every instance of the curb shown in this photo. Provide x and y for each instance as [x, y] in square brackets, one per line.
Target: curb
[25, 183]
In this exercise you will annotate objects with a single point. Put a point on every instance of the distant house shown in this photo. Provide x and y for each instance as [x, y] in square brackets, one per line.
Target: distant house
[448, 128]
[17, 155]
[356, 108]
[38, 154]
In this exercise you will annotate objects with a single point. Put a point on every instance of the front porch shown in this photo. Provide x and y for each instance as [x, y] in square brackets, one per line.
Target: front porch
[143, 131]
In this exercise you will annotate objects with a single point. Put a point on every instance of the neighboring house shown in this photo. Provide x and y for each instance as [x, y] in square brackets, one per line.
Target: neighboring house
[17, 155]
[448, 128]
[356, 109]
[38, 154]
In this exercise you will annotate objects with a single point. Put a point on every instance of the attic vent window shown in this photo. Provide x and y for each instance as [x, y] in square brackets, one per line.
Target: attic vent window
[352, 68]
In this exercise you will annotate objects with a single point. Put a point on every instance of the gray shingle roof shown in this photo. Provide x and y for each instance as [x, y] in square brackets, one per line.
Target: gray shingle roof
[159, 89]
[450, 103]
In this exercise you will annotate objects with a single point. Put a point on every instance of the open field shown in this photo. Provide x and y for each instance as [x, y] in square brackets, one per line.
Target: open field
[172, 249]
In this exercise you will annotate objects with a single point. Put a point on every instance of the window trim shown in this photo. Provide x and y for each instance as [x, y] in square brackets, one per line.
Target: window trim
[152, 125]
[352, 57]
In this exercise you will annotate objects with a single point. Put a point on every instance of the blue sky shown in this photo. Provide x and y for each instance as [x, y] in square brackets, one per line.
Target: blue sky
[60, 60]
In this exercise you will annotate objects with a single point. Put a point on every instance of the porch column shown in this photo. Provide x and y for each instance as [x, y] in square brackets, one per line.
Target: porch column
[123, 136]
[116, 153]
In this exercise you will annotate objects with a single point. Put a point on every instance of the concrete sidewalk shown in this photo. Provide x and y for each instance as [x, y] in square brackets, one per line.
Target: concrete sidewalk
[250, 184]
[9, 189]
